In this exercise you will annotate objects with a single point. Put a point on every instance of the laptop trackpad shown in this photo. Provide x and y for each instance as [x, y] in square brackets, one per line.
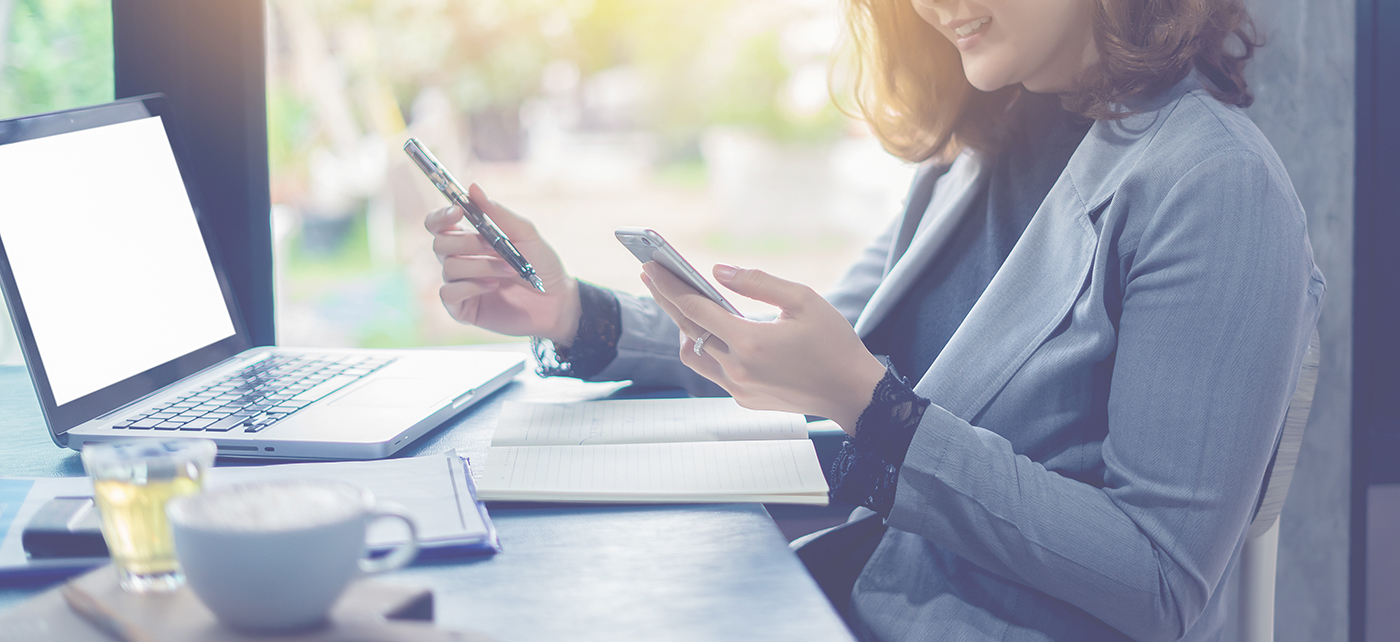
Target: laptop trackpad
[398, 393]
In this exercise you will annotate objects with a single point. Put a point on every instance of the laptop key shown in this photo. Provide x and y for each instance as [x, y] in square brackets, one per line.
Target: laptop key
[259, 423]
[226, 424]
[199, 424]
[168, 425]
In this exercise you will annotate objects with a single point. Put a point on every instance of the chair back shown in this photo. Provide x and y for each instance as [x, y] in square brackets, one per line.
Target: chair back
[1280, 471]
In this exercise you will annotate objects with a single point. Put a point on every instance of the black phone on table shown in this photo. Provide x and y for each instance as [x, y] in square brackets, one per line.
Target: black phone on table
[647, 245]
[64, 527]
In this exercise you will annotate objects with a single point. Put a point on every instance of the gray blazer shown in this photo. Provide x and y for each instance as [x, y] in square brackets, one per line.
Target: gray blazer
[1102, 419]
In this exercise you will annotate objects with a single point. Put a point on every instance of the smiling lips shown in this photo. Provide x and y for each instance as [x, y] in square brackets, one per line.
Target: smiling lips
[969, 28]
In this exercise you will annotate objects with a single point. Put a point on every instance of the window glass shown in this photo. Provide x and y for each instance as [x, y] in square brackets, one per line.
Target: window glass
[710, 122]
[54, 54]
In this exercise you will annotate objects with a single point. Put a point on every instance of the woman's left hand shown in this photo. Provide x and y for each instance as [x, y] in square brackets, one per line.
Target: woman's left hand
[808, 360]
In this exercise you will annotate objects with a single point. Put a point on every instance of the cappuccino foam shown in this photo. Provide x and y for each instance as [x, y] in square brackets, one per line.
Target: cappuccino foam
[272, 506]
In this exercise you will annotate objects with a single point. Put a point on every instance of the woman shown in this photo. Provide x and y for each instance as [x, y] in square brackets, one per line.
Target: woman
[1093, 313]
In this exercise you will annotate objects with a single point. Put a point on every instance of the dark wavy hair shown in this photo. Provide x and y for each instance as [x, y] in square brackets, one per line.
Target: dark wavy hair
[908, 82]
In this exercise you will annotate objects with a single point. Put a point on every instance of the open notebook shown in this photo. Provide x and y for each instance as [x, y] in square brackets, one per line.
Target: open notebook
[651, 450]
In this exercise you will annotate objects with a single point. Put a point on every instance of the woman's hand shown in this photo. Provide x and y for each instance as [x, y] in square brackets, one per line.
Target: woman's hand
[481, 289]
[808, 360]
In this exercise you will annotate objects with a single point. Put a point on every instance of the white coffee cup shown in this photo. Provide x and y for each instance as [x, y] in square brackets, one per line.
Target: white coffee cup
[275, 556]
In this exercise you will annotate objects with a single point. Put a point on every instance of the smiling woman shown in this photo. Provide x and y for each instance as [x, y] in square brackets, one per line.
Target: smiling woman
[1044, 46]
[1061, 373]
[935, 76]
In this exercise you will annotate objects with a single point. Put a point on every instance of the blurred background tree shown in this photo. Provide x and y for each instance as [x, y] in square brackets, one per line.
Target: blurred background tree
[54, 54]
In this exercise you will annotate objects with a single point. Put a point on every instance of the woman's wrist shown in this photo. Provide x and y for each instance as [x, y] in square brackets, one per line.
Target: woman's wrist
[864, 378]
[564, 332]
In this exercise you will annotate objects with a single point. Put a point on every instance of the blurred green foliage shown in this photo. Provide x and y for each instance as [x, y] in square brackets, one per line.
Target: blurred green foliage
[372, 307]
[56, 54]
[702, 63]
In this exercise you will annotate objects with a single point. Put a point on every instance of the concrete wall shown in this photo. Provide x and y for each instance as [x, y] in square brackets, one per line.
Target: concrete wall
[1304, 84]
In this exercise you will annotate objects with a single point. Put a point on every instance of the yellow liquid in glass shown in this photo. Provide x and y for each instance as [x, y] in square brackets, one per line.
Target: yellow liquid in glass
[134, 525]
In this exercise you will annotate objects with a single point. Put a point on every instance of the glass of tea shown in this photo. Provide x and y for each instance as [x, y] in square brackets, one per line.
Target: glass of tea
[131, 482]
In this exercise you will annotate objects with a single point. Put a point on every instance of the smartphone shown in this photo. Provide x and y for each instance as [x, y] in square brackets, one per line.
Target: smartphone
[64, 527]
[647, 245]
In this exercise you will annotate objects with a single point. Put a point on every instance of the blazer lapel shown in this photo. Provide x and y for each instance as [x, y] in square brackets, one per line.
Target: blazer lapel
[920, 194]
[1026, 300]
[931, 228]
[1045, 273]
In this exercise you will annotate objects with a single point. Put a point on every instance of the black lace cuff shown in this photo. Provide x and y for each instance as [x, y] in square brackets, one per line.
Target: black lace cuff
[860, 476]
[866, 469]
[887, 425]
[595, 345]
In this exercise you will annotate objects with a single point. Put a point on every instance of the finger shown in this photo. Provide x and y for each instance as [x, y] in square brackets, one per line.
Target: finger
[517, 227]
[689, 329]
[691, 304]
[710, 362]
[707, 365]
[462, 290]
[461, 268]
[461, 297]
[460, 244]
[762, 286]
[443, 220]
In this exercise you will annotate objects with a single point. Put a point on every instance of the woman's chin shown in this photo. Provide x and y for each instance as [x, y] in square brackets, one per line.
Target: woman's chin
[983, 79]
[988, 85]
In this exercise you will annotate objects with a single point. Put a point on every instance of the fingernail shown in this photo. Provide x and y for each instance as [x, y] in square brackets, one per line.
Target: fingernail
[725, 271]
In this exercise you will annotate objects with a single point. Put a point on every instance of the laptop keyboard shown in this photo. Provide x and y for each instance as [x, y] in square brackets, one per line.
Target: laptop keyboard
[260, 395]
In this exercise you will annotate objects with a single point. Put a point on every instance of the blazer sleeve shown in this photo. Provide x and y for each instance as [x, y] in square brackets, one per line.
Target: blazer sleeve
[1219, 299]
[648, 351]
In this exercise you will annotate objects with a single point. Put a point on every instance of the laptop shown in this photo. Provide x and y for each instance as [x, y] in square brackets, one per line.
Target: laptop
[129, 327]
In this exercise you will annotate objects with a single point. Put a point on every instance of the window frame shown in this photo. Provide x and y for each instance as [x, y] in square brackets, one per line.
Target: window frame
[208, 58]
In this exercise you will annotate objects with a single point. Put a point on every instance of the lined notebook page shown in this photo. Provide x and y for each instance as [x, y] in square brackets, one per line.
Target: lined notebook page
[785, 470]
[640, 421]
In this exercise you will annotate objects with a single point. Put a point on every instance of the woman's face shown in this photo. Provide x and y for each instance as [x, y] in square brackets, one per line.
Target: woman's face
[1041, 44]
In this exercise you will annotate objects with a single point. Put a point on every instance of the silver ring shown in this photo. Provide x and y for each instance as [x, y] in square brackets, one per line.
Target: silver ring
[700, 344]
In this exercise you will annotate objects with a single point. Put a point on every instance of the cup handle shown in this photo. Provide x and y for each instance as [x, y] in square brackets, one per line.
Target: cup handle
[402, 554]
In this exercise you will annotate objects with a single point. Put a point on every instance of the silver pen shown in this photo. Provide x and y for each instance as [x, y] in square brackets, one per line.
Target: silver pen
[483, 224]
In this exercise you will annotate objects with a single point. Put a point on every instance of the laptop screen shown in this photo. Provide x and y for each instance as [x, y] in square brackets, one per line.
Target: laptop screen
[107, 255]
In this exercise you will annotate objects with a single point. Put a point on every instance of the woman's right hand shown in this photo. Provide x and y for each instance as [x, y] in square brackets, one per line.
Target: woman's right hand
[481, 289]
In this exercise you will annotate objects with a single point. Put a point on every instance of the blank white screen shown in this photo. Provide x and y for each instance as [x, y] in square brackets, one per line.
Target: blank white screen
[107, 255]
